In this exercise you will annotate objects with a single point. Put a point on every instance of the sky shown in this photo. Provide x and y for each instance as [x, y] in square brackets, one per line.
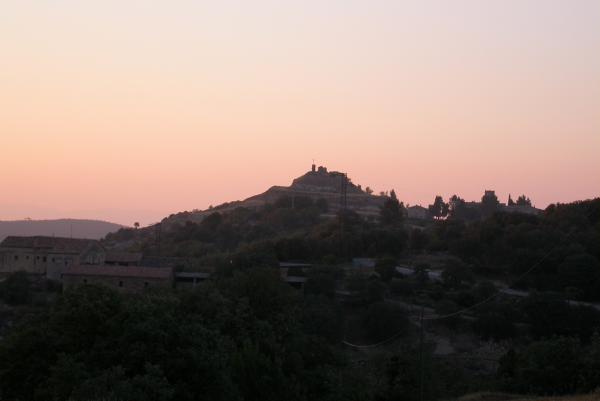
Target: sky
[132, 110]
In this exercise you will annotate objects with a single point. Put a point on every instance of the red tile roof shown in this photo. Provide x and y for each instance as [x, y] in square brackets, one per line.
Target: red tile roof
[119, 271]
[52, 244]
[123, 257]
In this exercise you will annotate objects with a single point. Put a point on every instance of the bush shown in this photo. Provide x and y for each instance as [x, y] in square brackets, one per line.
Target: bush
[495, 322]
[386, 267]
[399, 286]
[551, 366]
[16, 289]
[383, 320]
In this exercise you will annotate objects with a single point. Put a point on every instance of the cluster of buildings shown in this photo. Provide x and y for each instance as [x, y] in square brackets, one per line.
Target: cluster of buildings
[76, 261]
[461, 209]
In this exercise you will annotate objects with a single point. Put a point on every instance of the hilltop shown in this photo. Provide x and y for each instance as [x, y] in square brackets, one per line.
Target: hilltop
[318, 184]
[92, 229]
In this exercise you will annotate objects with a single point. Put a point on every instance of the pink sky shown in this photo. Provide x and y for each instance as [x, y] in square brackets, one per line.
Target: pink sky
[130, 111]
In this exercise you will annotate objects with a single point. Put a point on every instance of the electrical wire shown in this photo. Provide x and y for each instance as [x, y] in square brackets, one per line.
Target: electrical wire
[466, 309]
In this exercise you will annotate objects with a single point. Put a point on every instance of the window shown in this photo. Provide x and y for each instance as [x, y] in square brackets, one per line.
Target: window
[145, 284]
[16, 257]
[85, 281]
[45, 259]
[53, 260]
[120, 284]
[27, 257]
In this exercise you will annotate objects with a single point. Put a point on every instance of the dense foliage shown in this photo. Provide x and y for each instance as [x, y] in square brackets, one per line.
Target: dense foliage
[240, 338]
[246, 335]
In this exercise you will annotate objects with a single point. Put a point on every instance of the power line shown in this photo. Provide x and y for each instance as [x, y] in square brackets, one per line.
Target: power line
[387, 340]
[493, 296]
[468, 308]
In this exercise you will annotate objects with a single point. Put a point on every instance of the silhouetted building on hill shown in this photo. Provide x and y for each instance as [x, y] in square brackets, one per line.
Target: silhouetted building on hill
[322, 180]
[417, 212]
[489, 205]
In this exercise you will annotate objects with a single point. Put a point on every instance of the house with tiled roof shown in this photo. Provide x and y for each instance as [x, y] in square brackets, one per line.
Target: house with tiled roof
[47, 256]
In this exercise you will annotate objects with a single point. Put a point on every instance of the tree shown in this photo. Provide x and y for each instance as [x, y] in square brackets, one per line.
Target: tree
[456, 275]
[421, 274]
[322, 316]
[439, 209]
[418, 239]
[369, 191]
[458, 210]
[322, 205]
[495, 321]
[392, 212]
[321, 281]
[523, 201]
[136, 225]
[16, 289]
[384, 319]
[551, 366]
[489, 203]
[510, 201]
[386, 267]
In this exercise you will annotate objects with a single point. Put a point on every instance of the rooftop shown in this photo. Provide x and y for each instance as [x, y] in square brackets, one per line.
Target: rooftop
[120, 271]
[52, 244]
[122, 257]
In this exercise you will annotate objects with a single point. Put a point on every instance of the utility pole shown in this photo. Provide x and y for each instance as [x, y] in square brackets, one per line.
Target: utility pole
[421, 361]
[158, 236]
[343, 206]
[344, 192]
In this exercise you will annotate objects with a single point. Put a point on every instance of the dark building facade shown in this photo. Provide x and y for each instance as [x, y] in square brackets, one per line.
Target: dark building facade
[122, 278]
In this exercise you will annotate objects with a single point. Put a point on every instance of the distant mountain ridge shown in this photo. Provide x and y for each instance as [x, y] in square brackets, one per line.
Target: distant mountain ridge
[76, 228]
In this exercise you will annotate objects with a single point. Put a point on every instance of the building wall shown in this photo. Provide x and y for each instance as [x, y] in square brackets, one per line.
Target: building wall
[417, 213]
[57, 263]
[124, 284]
[93, 255]
[43, 261]
[16, 259]
[35, 262]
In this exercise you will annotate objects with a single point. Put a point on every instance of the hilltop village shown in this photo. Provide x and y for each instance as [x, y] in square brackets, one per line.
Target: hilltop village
[74, 261]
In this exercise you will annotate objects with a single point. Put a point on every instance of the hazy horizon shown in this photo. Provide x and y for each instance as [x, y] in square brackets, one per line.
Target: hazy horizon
[132, 111]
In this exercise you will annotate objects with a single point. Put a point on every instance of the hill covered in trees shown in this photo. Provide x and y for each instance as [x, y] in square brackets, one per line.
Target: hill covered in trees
[349, 333]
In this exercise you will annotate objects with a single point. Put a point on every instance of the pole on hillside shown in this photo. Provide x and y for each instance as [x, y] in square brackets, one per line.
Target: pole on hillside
[421, 367]
[342, 210]
[158, 232]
